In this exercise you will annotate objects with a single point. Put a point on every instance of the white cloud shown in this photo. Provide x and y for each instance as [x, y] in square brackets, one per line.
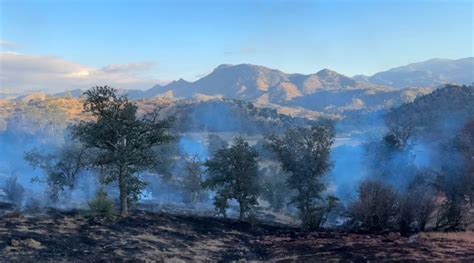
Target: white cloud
[9, 45]
[52, 74]
[132, 67]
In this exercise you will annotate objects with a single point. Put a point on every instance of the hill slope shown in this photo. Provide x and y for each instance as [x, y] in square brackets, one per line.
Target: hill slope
[445, 108]
[430, 73]
[176, 238]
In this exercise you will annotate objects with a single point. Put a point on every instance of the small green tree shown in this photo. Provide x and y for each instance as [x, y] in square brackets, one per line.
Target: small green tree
[101, 206]
[233, 175]
[125, 144]
[61, 167]
[305, 154]
[193, 179]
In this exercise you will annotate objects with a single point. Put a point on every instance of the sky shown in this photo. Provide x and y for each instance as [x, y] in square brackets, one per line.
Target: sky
[64, 44]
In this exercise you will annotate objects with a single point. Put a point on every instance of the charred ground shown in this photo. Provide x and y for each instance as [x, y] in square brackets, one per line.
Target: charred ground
[144, 236]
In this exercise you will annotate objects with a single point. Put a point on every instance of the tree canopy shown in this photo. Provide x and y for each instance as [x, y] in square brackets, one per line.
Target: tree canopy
[124, 142]
[233, 175]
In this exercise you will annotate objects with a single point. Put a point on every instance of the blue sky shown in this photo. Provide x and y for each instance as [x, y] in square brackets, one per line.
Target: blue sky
[168, 40]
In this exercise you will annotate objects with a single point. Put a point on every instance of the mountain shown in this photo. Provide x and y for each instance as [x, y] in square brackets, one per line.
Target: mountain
[256, 83]
[430, 73]
[75, 93]
[323, 91]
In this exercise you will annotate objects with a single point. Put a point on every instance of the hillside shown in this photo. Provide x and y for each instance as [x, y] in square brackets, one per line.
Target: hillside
[430, 73]
[164, 237]
[445, 108]
[40, 112]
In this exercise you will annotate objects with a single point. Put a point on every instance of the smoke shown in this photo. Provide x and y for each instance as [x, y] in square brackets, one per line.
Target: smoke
[355, 154]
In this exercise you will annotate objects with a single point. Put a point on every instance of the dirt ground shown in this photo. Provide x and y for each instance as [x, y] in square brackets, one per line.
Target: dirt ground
[61, 236]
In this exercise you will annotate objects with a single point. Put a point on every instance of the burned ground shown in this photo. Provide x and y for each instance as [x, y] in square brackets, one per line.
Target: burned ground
[70, 236]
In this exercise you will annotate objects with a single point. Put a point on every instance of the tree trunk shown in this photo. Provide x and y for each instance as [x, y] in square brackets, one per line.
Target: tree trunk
[241, 211]
[123, 194]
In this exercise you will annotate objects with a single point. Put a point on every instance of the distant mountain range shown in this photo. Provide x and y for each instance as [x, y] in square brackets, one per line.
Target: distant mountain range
[430, 73]
[316, 91]
[325, 91]
[254, 83]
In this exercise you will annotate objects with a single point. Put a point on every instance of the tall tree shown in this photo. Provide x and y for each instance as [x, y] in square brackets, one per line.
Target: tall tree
[305, 154]
[233, 175]
[124, 143]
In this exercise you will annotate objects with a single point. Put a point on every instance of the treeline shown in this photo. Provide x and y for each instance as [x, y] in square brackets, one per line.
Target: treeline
[287, 170]
[118, 146]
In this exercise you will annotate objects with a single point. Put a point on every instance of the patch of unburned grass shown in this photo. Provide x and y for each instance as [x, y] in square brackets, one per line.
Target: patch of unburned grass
[467, 236]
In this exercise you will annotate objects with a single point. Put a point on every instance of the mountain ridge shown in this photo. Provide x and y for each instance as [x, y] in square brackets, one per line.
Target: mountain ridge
[429, 73]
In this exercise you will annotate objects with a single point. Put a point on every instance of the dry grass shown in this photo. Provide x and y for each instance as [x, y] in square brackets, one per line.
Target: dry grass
[458, 236]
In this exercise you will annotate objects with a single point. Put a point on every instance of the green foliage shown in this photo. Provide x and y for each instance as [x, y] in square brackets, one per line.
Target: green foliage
[304, 153]
[316, 216]
[429, 112]
[102, 207]
[233, 175]
[61, 168]
[193, 180]
[125, 144]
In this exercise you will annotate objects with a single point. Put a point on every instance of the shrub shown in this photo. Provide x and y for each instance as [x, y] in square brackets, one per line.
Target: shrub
[453, 210]
[416, 208]
[102, 207]
[317, 216]
[33, 205]
[451, 213]
[14, 190]
[252, 219]
[376, 208]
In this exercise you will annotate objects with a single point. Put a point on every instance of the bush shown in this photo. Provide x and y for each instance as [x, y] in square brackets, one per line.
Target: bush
[376, 208]
[317, 216]
[416, 208]
[455, 206]
[14, 191]
[102, 207]
[451, 213]
[33, 205]
[252, 219]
